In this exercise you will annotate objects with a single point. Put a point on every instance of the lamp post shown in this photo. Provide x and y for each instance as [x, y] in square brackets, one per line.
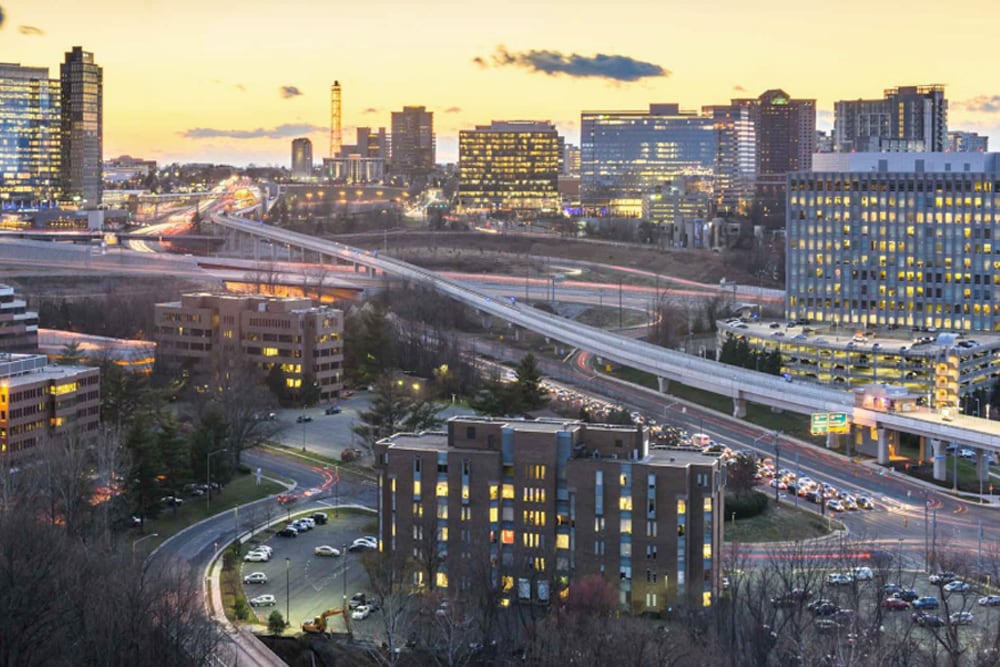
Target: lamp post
[288, 594]
[777, 464]
[135, 542]
[208, 477]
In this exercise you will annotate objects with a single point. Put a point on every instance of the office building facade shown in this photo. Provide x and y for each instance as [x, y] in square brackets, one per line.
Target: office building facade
[40, 403]
[211, 333]
[82, 94]
[509, 165]
[624, 155]
[18, 325]
[906, 119]
[533, 506]
[302, 158]
[735, 157]
[412, 143]
[968, 142]
[30, 120]
[904, 239]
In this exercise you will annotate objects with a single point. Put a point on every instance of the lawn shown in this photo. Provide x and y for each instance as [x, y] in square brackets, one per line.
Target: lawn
[780, 523]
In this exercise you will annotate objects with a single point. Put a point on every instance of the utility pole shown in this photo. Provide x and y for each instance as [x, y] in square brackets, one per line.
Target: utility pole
[777, 464]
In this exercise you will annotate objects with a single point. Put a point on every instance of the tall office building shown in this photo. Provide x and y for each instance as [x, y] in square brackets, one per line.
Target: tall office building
[906, 119]
[785, 142]
[29, 136]
[335, 119]
[302, 158]
[902, 239]
[570, 163]
[534, 506]
[967, 142]
[82, 84]
[412, 156]
[735, 157]
[624, 155]
[509, 165]
[18, 325]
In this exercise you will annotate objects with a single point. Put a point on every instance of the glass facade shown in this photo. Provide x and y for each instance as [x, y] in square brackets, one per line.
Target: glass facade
[509, 166]
[82, 127]
[891, 248]
[29, 136]
[624, 155]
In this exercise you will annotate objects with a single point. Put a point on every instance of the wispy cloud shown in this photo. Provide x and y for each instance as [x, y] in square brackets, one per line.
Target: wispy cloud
[285, 131]
[370, 110]
[453, 110]
[240, 87]
[980, 104]
[601, 65]
[30, 30]
[739, 89]
[288, 92]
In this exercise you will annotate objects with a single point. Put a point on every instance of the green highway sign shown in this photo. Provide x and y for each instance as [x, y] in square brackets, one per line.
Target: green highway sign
[837, 423]
[819, 423]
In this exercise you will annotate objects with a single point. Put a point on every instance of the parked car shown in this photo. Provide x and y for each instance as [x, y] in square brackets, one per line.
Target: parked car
[326, 550]
[908, 594]
[357, 600]
[827, 626]
[320, 518]
[791, 598]
[266, 600]
[824, 608]
[172, 501]
[961, 617]
[839, 579]
[927, 620]
[264, 548]
[303, 419]
[957, 586]
[895, 604]
[863, 574]
[334, 410]
[989, 601]
[256, 557]
[288, 532]
[361, 545]
[255, 578]
[361, 612]
[925, 602]
[942, 577]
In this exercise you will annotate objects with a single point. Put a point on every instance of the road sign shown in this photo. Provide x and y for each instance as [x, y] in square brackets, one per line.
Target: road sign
[837, 423]
[819, 423]
[941, 457]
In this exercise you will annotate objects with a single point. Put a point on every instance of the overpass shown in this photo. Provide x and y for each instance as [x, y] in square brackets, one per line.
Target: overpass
[739, 384]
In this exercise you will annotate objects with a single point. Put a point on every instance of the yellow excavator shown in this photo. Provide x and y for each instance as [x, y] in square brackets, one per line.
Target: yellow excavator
[318, 624]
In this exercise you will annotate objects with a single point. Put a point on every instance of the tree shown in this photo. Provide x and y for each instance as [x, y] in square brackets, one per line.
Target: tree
[394, 408]
[740, 474]
[528, 384]
[175, 453]
[240, 400]
[143, 487]
[368, 343]
[70, 354]
[211, 435]
[276, 623]
[390, 577]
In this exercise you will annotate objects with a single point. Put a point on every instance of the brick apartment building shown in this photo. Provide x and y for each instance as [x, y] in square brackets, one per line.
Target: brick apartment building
[535, 505]
[40, 403]
[18, 325]
[208, 333]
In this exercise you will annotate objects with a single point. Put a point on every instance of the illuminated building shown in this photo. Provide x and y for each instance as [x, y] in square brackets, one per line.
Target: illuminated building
[907, 119]
[40, 403]
[82, 113]
[126, 168]
[735, 157]
[29, 136]
[413, 143]
[967, 142]
[354, 169]
[679, 210]
[18, 325]
[624, 155]
[570, 161]
[369, 144]
[535, 505]
[210, 333]
[902, 239]
[509, 165]
[335, 120]
[302, 158]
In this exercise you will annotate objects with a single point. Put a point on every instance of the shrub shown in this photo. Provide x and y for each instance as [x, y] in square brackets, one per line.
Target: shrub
[276, 623]
[746, 506]
[241, 609]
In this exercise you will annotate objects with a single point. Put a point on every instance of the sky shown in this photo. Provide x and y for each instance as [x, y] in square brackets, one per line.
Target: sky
[235, 81]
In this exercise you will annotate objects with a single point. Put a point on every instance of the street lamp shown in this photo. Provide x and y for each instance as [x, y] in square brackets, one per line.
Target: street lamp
[208, 477]
[777, 463]
[288, 596]
[135, 542]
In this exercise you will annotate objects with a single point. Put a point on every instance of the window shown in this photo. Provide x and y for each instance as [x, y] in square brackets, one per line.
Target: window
[508, 491]
[494, 514]
[651, 600]
[626, 526]
[651, 529]
[416, 489]
[442, 489]
[507, 536]
[418, 510]
[651, 576]
[706, 551]
[598, 547]
[562, 541]
[651, 552]
[625, 503]
[441, 580]
[470, 432]
[708, 505]
[598, 524]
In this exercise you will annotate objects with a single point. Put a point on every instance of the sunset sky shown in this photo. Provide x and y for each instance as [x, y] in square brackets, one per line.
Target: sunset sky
[235, 80]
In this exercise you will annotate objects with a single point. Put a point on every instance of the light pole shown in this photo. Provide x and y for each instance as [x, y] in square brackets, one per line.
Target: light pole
[135, 542]
[288, 595]
[208, 478]
[777, 463]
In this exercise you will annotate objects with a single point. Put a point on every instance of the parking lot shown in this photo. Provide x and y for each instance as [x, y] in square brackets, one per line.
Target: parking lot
[314, 583]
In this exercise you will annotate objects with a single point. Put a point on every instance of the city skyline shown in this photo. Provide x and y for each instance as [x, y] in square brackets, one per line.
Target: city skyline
[231, 82]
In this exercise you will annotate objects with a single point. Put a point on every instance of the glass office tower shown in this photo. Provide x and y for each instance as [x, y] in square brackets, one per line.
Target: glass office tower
[29, 136]
[82, 127]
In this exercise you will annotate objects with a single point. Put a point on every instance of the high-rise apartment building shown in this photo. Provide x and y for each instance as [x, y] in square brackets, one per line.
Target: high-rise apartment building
[509, 165]
[413, 143]
[906, 119]
[302, 158]
[785, 142]
[735, 157]
[530, 507]
[903, 239]
[82, 85]
[967, 142]
[624, 155]
[29, 136]
[211, 333]
[18, 325]
[40, 403]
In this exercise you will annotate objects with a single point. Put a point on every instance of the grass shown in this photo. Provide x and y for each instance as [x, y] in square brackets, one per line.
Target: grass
[780, 523]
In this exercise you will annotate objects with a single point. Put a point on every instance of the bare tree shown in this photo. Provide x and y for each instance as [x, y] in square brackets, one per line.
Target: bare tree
[390, 576]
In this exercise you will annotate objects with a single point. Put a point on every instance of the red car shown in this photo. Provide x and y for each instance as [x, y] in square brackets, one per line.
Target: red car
[895, 604]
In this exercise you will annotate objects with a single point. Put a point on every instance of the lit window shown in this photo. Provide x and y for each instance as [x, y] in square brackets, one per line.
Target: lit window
[706, 551]
[508, 491]
[706, 599]
[507, 536]
[493, 491]
[625, 503]
[494, 514]
[681, 507]
[562, 541]
[442, 580]
[442, 489]
[708, 504]
[270, 352]
[416, 488]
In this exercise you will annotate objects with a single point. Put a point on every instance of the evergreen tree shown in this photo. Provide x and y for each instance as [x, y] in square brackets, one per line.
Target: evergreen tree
[143, 488]
[528, 390]
[175, 453]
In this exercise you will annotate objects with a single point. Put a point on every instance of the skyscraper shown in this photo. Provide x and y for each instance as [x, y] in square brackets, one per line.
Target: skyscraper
[967, 142]
[735, 157]
[29, 135]
[82, 127]
[335, 137]
[412, 155]
[509, 165]
[785, 142]
[907, 118]
[302, 158]
[625, 155]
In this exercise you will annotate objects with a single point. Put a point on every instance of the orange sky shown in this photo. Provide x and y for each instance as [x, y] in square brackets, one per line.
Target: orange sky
[220, 65]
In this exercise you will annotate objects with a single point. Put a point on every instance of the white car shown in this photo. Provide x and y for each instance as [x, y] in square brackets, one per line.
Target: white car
[839, 579]
[326, 550]
[255, 578]
[263, 548]
[863, 574]
[266, 600]
[361, 613]
[256, 557]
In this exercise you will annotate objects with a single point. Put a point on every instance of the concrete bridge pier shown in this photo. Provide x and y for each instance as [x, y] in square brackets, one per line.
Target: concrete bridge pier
[739, 407]
[940, 460]
[922, 454]
[663, 384]
[982, 466]
[884, 449]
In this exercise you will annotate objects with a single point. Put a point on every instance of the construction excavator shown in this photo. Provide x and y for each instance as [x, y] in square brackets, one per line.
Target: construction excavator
[318, 624]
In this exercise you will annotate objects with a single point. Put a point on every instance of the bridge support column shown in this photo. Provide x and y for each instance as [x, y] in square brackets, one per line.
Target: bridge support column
[940, 460]
[883, 446]
[663, 384]
[982, 466]
[922, 454]
[831, 441]
[739, 407]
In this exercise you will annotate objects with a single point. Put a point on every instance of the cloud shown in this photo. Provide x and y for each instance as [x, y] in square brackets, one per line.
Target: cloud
[288, 92]
[286, 131]
[30, 30]
[453, 110]
[240, 87]
[370, 110]
[739, 89]
[554, 63]
[980, 104]
[481, 62]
